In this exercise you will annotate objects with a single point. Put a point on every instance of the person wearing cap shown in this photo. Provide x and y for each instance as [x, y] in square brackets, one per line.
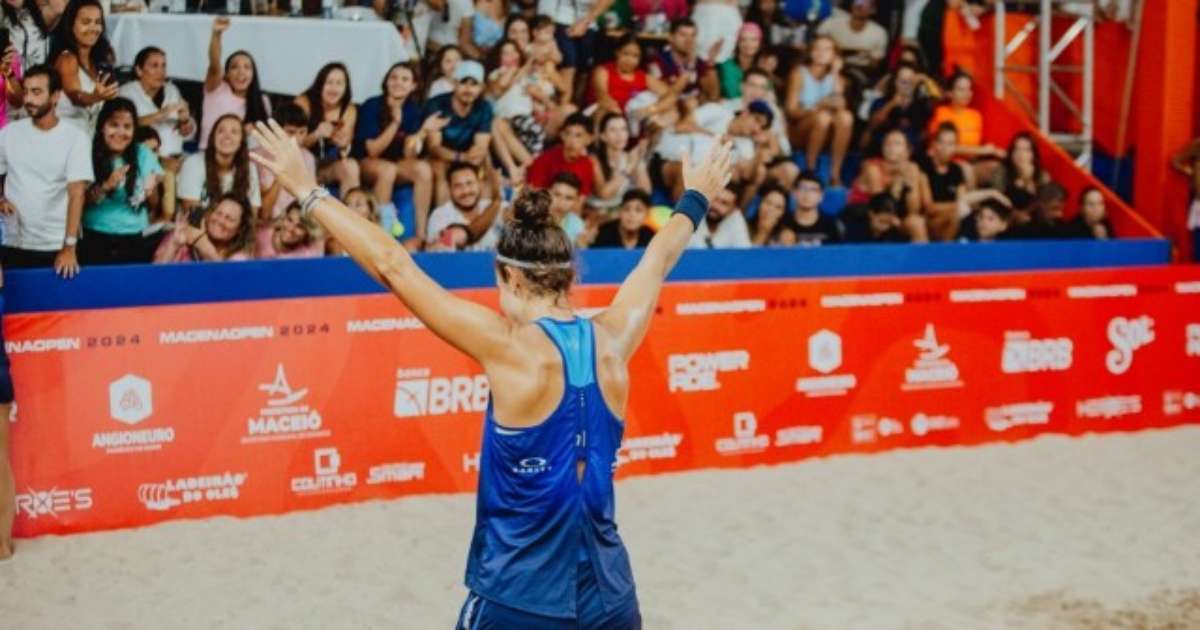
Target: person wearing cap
[467, 135]
[863, 43]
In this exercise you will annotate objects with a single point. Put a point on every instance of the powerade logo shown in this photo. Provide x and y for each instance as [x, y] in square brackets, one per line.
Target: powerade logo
[697, 372]
[1126, 336]
[1022, 353]
[419, 394]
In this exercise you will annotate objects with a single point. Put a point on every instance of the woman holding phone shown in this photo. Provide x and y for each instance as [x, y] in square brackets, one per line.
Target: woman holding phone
[84, 59]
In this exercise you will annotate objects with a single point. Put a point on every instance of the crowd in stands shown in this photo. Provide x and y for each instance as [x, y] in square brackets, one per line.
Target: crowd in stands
[849, 123]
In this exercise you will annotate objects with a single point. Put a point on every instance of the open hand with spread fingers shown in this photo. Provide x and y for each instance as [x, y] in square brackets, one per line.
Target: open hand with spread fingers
[710, 176]
[279, 153]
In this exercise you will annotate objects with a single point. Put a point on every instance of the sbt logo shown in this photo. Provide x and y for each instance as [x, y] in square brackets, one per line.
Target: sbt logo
[697, 372]
[1126, 336]
[419, 394]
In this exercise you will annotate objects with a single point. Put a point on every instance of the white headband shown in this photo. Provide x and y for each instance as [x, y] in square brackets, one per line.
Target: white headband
[521, 264]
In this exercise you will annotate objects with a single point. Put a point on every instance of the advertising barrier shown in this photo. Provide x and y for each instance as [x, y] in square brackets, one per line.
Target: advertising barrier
[131, 416]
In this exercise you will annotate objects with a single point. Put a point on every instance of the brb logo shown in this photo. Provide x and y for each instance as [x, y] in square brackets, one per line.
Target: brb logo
[697, 371]
[419, 394]
[1126, 336]
[1022, 353]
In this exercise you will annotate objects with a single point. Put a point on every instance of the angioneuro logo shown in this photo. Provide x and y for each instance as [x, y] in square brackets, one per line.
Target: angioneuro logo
[932, 369]
[697, 371]
[825, 356]
[285, 416]
[1126, 336]
[130, 402]
[419, 394]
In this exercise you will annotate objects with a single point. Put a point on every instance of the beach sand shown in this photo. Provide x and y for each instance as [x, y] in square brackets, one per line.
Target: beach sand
[1091, 532]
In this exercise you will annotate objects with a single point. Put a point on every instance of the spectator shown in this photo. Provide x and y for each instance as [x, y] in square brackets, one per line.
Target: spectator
[718, 23]
[947, 182]
[45, 167]
[629, 229]
[566, 204]
[160, 105]
[224, 232]
[517, 29]
[29, 24]
[745, 57]
[811, 227]
[224, 167]
[863, 43]
[332, 116]
[620, 170]
[84, 59]
[11, 95]
[1047, 221]
[1022, 166]
[359, 201]
[276, 200]
[621, 86]
[291, 235]
[570, 155]
[817, 108]
[681, 68]
[894, 173]
[124, 196]
[441, 77]
[232, 90]
[906, 105]
[991, 221]
[574, 32]
[149, 137]
[883, 221]
[779, 29]
[724, 227]
[967, 120]
[809, 12]
[388, 138]
[1091, 222]
[467, 135]
[544, 49]
[524, 98]
[1187, 162]
[479, 32]
[447, 23]
[771, 225]
[654, 15]
[470, 207]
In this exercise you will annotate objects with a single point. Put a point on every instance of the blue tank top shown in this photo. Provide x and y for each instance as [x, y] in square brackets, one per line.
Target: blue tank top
[536, 521]
[813, 90]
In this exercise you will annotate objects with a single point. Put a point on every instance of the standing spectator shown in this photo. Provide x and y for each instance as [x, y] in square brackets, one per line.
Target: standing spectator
[363, 204]
[724, 227]
[442, 71]
[629, 229]
[570, 155]
[226, 232]
[291, 235]
[681, 68]
[817, 108]
[623, 87]
[894, 173]
[124, 196]
[468, 206]
[1187, 162]
[11, 95]
[332, 116]
[811, 227]
[621, 170]
[967, 120]
[160, 106]
[224, 167]
[29, 28]
[771, 225]
[45, 167]
[863, 43]
[467, 135]
[479, 32]
[276, 200]
[574, 32]
[84, 59]
[391, 129]
[745, 57]
[232, 90]
[1022, 166]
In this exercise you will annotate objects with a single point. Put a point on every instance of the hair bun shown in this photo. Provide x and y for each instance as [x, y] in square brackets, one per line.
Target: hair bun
[531, 209]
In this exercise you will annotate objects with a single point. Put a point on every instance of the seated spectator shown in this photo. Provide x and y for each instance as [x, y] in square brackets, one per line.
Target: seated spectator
[361, 203]
[1022, 166]
[906, 105]
[446, 24]
[125, 195]
[160, 106]
[569, 155]
[471, 206]
[946, 182]
[1187, 162]
[388, 138]
[290, 235]
[84, 59]
[30, 24]
[566, 204]
[575, 34]
[655, 13]
[771, 224]
[11, 94]
[46, 170]
[623, 87]
[620, 170]
[894, 173]
[629, 229]
[724, 227]
[817, 108]
[810, 226]
[779, 29]
[1046, 221]
[276, 200]
[681, 68]
[517, 29]
[479, 32]
[862, 42]
[442, 71]
[544, 50]
[809, 13]
[224, 167]
[967, 120]
[225, 231]
[468, 134]
[230, 89]
[525, 108]
[1091, 222]
[732, 70]
[991, 221]
[883, 221]
[453, 238]
[332, 117]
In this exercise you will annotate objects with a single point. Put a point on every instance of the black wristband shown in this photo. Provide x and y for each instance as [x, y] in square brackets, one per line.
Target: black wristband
[693, 205]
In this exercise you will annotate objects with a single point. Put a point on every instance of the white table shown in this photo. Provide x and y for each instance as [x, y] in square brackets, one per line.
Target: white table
[288, 51]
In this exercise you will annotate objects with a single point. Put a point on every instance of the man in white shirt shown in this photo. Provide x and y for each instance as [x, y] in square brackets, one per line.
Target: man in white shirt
[724, 227]
[575, 32]
[862, 42]
[467, 207]
[46, 167]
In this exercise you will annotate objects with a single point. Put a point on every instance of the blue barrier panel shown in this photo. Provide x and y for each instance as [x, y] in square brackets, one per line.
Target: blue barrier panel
[106, 287]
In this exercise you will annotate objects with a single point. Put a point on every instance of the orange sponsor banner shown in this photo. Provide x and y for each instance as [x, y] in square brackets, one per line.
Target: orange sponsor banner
[132, 416]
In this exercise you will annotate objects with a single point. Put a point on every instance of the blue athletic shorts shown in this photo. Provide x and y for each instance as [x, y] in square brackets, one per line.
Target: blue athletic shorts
[481, 614]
